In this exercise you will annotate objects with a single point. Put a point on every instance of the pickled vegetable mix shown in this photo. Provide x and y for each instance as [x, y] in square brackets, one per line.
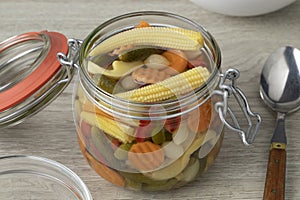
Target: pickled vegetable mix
[149, 65]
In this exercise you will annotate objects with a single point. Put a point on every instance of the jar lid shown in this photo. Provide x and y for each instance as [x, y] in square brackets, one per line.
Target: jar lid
[29, 68]
[31, 177]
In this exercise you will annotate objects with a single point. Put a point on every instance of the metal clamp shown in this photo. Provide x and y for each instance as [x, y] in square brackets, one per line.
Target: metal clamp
[70, 60]
[228, 89]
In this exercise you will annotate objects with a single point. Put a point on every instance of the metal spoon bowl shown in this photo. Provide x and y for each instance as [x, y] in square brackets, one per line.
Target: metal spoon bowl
[280, 90]
[280, 81]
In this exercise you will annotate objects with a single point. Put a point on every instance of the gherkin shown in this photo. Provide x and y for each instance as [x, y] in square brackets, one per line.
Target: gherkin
[139, 53]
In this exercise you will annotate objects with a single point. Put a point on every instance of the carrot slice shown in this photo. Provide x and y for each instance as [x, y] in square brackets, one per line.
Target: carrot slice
[177, 60]
[199, 120]
[142, 24]
[146, 156]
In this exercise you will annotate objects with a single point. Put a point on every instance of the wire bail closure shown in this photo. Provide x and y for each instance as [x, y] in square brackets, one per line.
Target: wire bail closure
[70, 60]
[227, 89]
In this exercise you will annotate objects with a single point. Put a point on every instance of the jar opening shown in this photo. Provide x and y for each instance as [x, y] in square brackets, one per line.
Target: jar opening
[19, 61]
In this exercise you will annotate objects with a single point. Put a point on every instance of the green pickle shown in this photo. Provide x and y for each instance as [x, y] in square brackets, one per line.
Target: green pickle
[165, 186]
[139, 53]
[121, 152]
[202, 166]
[159, 138]
[104, 60]
[168, 135]
[140, 178]
[102, 145]
[134, 185]
[107, 84]
[191, 171]
[141, 182]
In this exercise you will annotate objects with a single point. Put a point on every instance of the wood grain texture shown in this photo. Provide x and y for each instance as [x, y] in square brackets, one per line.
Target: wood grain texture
[275, 178]
[239, 171]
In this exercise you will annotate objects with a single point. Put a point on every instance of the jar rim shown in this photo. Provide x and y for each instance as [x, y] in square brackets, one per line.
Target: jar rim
[119, 103]
[32, 74]
[45, 168]
[43, 64]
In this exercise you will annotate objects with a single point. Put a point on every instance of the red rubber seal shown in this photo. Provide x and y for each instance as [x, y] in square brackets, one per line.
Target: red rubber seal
[41, 75]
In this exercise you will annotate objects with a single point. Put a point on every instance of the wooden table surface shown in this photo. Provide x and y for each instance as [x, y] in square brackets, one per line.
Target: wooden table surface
[239, 171]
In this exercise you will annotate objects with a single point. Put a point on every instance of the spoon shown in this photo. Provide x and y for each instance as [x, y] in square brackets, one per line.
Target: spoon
[280, 90]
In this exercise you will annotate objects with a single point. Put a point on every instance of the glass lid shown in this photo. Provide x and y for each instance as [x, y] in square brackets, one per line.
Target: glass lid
[29, 177]
[30, 74]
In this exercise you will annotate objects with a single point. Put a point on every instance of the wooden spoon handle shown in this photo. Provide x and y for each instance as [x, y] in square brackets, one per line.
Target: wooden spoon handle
[275, 179]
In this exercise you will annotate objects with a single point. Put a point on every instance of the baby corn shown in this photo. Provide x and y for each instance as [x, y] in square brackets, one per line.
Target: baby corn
[176, 38]
[120, 131]
[175, 86]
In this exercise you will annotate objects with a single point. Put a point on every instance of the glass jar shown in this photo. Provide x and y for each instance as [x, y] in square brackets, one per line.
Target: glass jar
[145, 140]
[155, 129]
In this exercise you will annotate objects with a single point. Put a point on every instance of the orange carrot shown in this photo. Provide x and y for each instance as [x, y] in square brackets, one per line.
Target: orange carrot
[142, 24]
[90, 107]
[177, 60]
[200, 119]
[146, 156]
